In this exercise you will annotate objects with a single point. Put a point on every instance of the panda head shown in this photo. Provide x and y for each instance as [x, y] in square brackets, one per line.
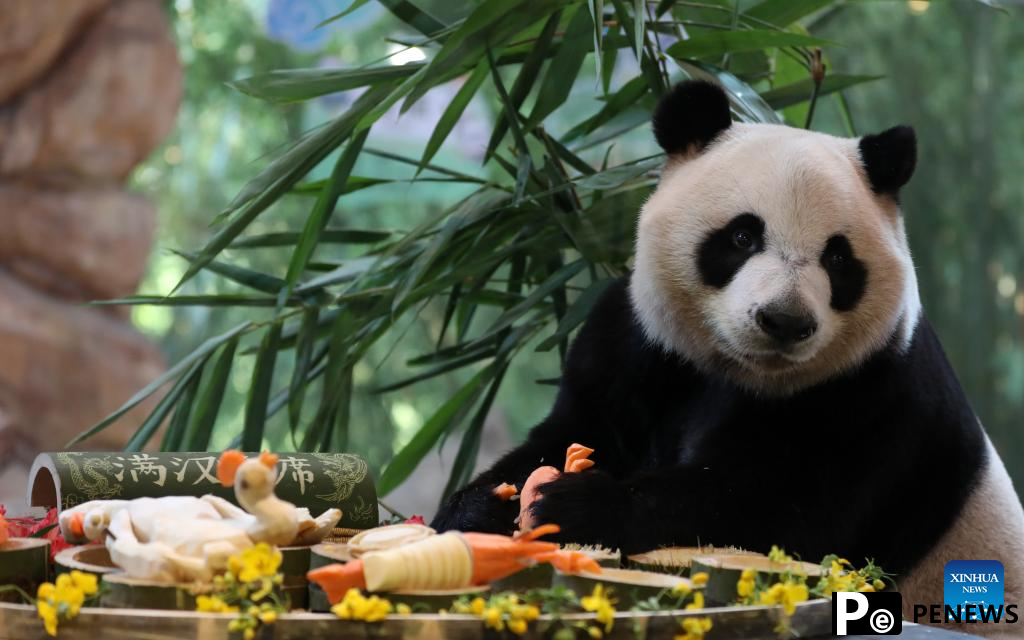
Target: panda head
[771, 255]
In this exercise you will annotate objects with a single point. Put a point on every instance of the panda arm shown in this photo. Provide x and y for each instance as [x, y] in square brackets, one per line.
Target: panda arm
[588, 410]
[681, 506]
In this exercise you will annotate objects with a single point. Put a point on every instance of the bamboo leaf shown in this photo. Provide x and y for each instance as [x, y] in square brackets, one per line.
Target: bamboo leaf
[259, 391]
[208, 406]
[449, 414]
[558, 279]
[798, 92]
[356, 4]
[413, 16]
[305, 340]
[296, 85]
[564, 67]
[785, 12]
[577, 313]
[453, 112]
[174, 436]
[328, 236]
[491, 24]
[150, 425]
[281, 175]
[529, 71]
[321, 214]
[465, 458]
[337, 437]
[182, 365]
[638, 27]
[247, 277]
[716, 43]
[596, 8]
[214, 300]
[625, 98]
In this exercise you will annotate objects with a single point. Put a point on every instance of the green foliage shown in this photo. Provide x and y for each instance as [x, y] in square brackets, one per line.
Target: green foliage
[516, 264]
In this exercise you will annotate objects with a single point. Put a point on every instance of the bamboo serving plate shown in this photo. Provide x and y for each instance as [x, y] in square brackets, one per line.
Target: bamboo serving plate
[628, 586]
[20, 622]
[677, 560]
[724, 572]
[24, 562]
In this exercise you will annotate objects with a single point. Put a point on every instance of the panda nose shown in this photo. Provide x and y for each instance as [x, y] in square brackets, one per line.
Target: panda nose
[786, 328]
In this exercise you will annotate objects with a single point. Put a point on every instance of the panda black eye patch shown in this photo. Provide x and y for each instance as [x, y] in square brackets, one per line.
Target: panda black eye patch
[724, 251]
[846, 274]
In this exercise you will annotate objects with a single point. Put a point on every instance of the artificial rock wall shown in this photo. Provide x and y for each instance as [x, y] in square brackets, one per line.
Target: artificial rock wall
[88, 88]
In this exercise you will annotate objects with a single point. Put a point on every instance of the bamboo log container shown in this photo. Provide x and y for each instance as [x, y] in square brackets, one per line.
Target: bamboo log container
[676, 560]
[724, 572]
[24, 562]
[628, 586]
[123, 592]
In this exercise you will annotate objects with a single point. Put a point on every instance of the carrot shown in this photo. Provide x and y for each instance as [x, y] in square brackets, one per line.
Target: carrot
[505, 491]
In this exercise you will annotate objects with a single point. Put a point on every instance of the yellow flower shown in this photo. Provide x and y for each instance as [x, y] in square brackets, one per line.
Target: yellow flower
[260, 561]
[492, 618]
[600, 604]
[698, 601]
[879, 585]
[84, 582]
[477, 605]
[526, 612]
[745, 587]
[47, 612]
[213, 604]
[779, 555]
[866, 589]
[517, 626]
[268, 617]
[695, 628]
[403, 609]
[787, 594]
[681, 590]
[595, 632]
[66, 593]
[249, 633]
[699, 579]
[356, 606]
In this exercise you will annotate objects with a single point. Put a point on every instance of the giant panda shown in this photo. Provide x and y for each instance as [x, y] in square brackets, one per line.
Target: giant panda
[766, 375]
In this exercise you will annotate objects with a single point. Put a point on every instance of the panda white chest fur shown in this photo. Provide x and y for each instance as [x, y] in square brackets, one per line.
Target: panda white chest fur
[766, 376]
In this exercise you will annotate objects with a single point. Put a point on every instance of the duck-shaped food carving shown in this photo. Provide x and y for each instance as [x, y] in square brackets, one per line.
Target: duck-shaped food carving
[185, 539]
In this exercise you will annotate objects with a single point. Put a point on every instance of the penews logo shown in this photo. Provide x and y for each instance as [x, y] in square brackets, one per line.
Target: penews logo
[973, 587]
[873, 614]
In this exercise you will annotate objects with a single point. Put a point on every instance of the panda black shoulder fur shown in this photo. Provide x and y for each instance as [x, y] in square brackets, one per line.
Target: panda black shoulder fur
[766, 376]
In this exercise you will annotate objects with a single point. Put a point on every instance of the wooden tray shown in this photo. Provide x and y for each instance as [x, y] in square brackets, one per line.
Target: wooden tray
[812, 620]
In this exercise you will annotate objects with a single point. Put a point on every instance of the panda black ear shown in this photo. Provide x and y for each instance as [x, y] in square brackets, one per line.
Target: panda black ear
[889, 158]
[690, 115]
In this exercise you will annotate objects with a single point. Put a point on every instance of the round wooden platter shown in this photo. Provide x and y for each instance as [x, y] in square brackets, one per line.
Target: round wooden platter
[90, 558]
[677, 560]
[628, 586]
[724, 572]
[812, 619]
[24, 562]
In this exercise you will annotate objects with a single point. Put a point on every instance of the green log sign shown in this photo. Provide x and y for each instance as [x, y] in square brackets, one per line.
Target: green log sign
[317, 481]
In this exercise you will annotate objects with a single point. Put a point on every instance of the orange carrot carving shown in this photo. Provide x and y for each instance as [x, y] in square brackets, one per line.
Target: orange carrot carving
[505, 491]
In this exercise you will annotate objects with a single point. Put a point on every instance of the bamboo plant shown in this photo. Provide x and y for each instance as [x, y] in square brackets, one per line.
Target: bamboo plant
[532, 249]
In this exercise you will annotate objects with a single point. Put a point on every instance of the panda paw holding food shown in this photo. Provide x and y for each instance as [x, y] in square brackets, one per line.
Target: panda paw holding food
[766, 374]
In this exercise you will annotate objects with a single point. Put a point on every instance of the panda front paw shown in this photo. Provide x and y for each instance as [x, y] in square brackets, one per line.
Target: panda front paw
[590, 507]
[476, 508]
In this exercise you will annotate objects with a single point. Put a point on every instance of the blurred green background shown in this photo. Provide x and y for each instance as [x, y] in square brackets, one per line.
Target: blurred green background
[952, 69]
